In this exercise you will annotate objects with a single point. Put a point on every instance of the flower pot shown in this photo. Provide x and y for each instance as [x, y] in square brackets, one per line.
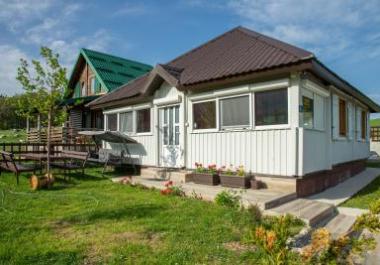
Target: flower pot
[205, 178]
[255, 184]
[235, 181]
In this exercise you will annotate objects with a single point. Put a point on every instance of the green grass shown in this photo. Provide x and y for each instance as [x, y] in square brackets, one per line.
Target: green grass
[368, 194]
[375, 122]
[90, 220]
[12, 136]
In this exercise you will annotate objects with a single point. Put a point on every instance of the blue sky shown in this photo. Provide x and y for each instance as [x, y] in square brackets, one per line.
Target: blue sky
[344, 34]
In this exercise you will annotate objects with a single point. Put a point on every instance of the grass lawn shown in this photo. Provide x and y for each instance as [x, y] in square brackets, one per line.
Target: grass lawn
[12, 136]
[93, 221]
[368, 194]
[375, 122]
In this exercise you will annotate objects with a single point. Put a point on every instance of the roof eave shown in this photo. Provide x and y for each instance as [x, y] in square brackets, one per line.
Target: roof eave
[328, 75]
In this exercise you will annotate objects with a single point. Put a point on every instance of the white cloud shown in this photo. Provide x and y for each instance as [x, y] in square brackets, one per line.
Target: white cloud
[131, 9]
[10, 59]
[16, 13]
[328, 28]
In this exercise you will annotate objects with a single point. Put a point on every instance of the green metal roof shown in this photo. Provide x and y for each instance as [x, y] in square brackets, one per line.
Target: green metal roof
[112, 71]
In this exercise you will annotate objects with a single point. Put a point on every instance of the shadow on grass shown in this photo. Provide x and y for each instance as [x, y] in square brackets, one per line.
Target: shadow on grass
[137, 211]
[49, 257]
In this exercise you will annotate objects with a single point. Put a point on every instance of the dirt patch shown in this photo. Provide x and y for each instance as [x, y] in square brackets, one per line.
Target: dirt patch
[238, 247]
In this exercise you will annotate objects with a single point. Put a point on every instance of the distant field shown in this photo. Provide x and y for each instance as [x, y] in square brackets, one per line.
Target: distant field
[12, 136]
[375, 122]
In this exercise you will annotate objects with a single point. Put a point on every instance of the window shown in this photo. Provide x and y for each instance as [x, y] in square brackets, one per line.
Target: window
[143, 120]
[92, 82]
[126, 122]
[112, 122]
[342, 118]
[204, 115]
[235, 111]
[271, 107]
[84, 89]
[308, 112]
[363, 125]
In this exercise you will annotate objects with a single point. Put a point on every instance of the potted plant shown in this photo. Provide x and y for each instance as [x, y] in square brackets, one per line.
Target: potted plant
[235, 179]
[206, 176]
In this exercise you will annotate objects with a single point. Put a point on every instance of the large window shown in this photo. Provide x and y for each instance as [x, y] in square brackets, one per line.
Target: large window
[143, 120]
[363, 125]
[126, 122]
[92, 84]
[112, 122]
[271, 107]
[235, 112]
[342, 118]
[308, 112]
[204, 115]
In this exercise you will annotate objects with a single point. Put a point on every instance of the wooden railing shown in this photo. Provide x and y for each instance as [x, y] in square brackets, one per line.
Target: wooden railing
[66, 135]
[375, 134]
[23, 148]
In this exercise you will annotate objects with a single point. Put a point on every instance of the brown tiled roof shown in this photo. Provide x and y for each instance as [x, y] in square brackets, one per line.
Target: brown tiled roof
[238, 51]
[131, 89]
[237, 54]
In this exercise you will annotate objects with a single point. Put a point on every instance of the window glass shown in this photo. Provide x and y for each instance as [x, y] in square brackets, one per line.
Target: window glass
[271, 107]
[84, 89]
[308, 112]
[342, 118]
[235, 111]
[126, 122]
[176, 141]
[319, 112]
[204, 115]
[364, 125]
[143, 120]
[176, 114]
[112, 122]
[92, 82]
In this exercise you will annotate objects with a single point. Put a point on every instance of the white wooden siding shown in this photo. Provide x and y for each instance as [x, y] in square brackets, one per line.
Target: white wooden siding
[269, 152]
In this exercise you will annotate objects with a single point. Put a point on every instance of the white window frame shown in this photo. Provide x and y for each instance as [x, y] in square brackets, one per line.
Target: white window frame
[216, 129]
[132, 109]
[272, 126]
[236, 127]
[133, 122]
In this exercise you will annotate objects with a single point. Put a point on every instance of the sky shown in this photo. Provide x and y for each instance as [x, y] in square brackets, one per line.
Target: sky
[343, 34]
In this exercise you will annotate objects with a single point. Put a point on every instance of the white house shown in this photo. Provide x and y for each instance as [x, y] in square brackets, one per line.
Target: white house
[246, 99]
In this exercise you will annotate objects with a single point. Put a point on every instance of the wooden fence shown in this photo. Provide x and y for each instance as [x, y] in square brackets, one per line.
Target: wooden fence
[68, 135]
[375, 134]
[23, 148]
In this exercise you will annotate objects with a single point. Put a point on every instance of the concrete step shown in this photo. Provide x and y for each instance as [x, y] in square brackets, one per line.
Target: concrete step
[176, 175]
[311, 212]
[278, 184]
[340, 225]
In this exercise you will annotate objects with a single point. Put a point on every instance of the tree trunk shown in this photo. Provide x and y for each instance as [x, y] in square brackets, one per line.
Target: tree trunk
[48, 144]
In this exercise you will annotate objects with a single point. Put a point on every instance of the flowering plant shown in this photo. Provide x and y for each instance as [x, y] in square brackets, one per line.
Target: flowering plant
[171, 189]
[212, 169]
[240, 171]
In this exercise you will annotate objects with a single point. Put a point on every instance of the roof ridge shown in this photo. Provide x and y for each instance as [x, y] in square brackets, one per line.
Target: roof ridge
[264, 38]
[203, 45]
[118, 57]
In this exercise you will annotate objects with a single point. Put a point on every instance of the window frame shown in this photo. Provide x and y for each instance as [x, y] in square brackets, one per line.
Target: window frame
[312, 126]
[135, 121]
[216, 129]
[92, 85]
[271, 126]
[345, 134]
[235, 127]
[117, 122]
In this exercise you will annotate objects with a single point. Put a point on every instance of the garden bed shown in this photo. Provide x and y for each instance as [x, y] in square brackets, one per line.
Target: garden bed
[235, 181]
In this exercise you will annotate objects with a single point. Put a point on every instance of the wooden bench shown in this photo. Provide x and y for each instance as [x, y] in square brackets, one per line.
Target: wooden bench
[72, 160]
[8, 163]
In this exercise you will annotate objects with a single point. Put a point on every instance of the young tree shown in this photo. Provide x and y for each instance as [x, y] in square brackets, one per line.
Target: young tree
[44, 89]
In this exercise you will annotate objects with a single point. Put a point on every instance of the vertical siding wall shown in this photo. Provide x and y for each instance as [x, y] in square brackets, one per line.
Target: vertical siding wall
[269, 152]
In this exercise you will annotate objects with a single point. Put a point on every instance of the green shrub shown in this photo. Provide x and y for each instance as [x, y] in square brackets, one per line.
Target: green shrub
[255, 213]
[228, 198]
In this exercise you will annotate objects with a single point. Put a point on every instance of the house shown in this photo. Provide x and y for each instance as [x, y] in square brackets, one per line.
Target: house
[95, 74]
[246, 99]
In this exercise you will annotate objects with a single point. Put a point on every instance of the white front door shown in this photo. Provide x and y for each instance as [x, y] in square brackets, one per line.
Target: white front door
[169, 131]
